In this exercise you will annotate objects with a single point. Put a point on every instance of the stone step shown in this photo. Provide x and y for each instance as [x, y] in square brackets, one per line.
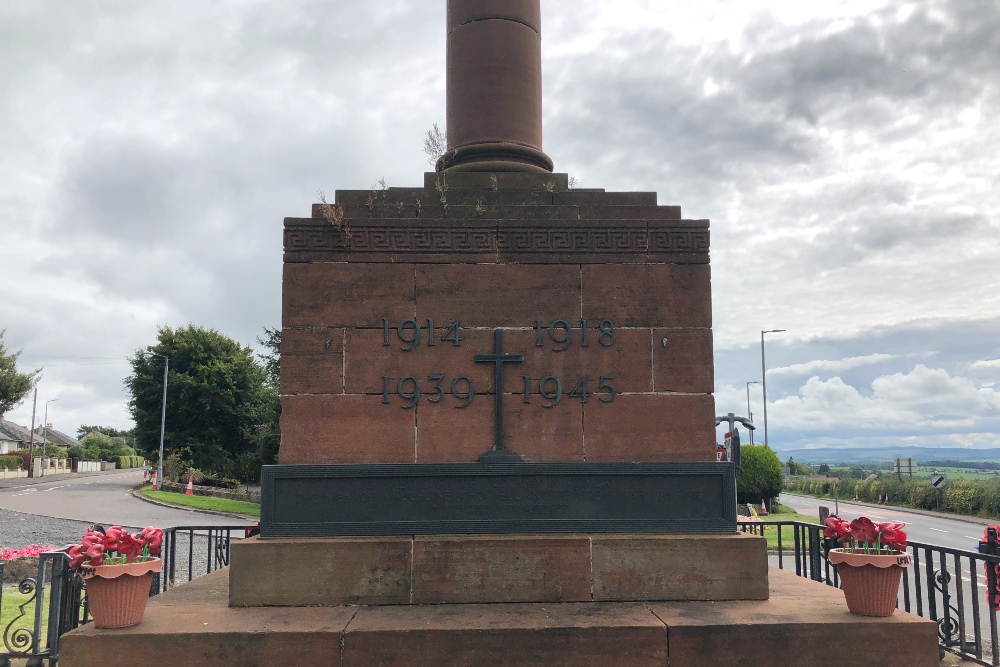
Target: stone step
[802, 623]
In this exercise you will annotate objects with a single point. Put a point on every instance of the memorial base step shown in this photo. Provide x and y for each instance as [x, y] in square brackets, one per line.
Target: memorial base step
[802, 623]
[497, 569]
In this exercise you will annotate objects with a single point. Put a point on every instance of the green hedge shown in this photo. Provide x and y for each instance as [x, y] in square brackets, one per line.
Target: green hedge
[11, 462]
[976, 497]
[130, 461]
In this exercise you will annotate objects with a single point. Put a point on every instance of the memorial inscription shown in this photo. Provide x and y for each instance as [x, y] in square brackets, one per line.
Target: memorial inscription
[434, 387]
[552, 388]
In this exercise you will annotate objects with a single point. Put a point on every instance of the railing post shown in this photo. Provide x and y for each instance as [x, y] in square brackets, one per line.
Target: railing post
[56, 602]
[815, 561]
[990, 548]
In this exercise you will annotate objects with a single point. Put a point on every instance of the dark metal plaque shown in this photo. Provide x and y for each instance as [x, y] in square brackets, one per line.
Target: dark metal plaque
[497, 498]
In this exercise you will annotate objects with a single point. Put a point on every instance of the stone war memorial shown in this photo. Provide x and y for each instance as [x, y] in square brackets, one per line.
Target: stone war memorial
[498, 432]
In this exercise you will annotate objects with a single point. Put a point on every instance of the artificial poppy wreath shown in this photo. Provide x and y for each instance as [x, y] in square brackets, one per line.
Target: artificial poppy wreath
[866, 536]
[115, 546]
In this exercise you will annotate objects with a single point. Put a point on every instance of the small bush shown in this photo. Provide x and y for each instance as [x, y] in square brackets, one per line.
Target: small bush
[175, 464]
[55, 451]
[760, 474]
[11, 462]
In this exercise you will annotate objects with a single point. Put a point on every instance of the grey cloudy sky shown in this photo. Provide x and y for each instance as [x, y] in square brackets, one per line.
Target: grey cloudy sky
[845, 151]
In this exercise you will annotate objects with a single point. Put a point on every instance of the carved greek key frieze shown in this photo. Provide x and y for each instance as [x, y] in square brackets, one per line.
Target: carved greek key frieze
[678, 240]
[547, 240]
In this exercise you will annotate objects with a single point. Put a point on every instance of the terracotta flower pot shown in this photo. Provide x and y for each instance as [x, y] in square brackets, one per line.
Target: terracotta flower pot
[870, 582]
[118, 593]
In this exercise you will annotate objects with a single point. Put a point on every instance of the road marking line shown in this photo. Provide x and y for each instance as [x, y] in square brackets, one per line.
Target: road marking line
[938, 530]
[969, 537]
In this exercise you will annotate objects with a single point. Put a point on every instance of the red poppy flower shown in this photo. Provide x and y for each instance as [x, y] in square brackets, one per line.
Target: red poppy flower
[112, 538]
[92, 537]
[153, 538]
[863, 530]
[892, 535]
[129, 545]
[76, 555]
[837, 528]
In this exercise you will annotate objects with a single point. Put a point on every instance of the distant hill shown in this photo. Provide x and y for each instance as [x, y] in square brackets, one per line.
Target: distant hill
[834, 455]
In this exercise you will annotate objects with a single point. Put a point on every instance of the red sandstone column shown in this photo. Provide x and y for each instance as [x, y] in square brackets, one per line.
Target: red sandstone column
[494, 87]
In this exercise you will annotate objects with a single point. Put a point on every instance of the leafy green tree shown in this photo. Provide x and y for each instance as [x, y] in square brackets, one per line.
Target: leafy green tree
[217, 399]
[271, 357]
[14, 385]
[760, 474]
[823, 469]
[109, 431]
[268, 435]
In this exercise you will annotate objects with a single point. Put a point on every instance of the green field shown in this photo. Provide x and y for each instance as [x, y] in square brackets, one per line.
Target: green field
[957, 473]
[203, 502]
[925, 472]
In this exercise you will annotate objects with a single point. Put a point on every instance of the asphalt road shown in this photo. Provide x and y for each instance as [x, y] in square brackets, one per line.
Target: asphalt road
[946, 532]
[103, 499]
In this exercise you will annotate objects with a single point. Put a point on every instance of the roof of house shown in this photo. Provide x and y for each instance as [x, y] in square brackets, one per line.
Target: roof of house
[60, 438]
[19, 433]
[8, 434]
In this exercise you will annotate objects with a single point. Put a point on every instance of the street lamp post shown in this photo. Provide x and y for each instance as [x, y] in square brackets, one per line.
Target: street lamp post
[763, 377]
[163, 419]
[749, 413]
[45, 432]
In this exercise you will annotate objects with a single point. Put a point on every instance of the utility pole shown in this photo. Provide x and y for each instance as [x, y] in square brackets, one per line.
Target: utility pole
[763, 377]
[31, 444]
[45, 432]
[163, 419]
[749, 413]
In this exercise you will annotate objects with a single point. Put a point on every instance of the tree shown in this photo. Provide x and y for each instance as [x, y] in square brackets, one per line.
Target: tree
[109, 431]
[217, 400]
[268, 436]
[271, 358]
[760, 474]
[824, 469]
[14, 386]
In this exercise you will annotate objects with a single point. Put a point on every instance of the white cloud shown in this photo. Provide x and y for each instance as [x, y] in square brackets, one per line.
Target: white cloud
[923, 399]
[830, 365]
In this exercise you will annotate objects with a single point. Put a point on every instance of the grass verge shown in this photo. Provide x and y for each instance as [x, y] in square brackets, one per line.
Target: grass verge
[10, 608]
[202, 502]
[787, 532]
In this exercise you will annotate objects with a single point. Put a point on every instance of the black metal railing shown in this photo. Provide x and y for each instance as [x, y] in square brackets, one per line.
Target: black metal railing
[955, 588]
[55, 604]
[191, 551]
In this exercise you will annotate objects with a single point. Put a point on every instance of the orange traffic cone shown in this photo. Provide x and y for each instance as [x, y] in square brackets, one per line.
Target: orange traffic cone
[190, 489]
[154, 479]
[763, 508]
